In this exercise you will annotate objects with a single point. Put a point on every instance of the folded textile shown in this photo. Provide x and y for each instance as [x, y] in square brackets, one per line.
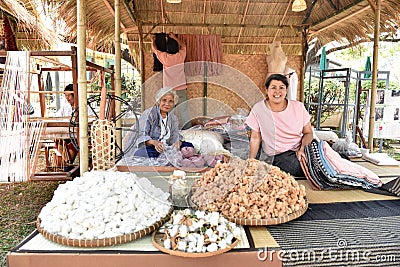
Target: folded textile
[381, 159]
[343, 166]
[322, 171]
[391, 188]
[342, 178]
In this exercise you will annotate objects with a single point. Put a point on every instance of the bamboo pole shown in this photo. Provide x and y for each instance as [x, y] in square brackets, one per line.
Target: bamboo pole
[303, 63]
[374, 76]
[42, 100]
[117, 73]
[83, 110]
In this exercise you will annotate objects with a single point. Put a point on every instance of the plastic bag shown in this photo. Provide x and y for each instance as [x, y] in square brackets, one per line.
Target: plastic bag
[346, 146]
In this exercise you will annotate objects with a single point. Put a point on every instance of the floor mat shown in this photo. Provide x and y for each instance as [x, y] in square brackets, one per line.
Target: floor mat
[342, 234]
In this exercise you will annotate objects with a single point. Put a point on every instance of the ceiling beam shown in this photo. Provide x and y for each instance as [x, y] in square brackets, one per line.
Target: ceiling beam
[296, 27]
[308, 14]
[110, 8]
[282, 19]
[339, 21]
[336, 13]
[234, 43]
[243, 19]
[372, 4]
[332, 5]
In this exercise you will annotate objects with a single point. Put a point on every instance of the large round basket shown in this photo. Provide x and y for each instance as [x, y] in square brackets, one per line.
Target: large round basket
[105, 241]
[158, 242]
[270, 221]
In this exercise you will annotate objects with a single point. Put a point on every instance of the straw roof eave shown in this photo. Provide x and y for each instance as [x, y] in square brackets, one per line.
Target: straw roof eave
[30, 31]
[246, 27]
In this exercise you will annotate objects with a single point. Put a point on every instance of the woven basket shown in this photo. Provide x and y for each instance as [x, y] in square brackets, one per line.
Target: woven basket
[269, 221]
[159, 244]
[105, 241]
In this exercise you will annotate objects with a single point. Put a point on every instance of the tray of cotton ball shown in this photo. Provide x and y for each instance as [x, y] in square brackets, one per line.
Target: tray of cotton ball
[196, 234]
[103, 209]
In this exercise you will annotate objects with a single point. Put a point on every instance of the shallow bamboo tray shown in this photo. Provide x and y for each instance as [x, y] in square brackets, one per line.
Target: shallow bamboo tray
[269, 221]
[158, 243]
[104, 241]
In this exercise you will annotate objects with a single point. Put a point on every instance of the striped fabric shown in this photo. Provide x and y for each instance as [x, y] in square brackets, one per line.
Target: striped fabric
[339, 242]
[393, 186]
[323, 176]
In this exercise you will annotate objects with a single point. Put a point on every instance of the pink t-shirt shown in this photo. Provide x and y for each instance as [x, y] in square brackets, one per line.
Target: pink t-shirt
[173, 68]
[280, 131]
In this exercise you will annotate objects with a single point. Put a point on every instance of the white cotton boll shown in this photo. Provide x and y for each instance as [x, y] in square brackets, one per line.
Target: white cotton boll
[229, 238]
[191, 246]
[193, 227]
[190, 250]
[173, 231]
[221, 229]
[178, 217]
[191, 238]
[200, 243]
[212, 247]
[214, 218]
[213, 238]
[222, 244]
[182, 245]
[200, 214]
[236, 232]
[167, 243]
[203, 249]
[187, 212]
[209, 232]
[183, 231]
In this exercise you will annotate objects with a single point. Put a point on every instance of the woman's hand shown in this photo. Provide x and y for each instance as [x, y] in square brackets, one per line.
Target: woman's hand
[300, 153]
[172, 35]
[158, 145]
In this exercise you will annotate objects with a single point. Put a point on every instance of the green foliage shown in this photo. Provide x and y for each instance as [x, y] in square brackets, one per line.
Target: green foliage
[131, 90]
[333, 93]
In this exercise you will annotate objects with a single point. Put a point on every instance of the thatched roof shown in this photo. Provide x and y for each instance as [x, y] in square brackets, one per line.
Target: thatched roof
[246, 26]
[27, 26]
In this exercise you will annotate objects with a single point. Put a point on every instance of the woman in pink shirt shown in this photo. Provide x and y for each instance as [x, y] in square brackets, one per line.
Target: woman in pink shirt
[283, 126]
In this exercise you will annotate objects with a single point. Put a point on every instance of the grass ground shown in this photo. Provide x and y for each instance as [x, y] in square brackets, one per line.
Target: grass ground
[20, 204]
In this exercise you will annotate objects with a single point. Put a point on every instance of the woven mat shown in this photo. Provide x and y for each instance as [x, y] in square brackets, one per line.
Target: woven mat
[315, 196]
[37, 242]
[370, 238]
[381, 171]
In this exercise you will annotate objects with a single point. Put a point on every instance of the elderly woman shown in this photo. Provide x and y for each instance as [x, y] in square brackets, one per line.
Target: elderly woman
[283, 126]
[159, 126]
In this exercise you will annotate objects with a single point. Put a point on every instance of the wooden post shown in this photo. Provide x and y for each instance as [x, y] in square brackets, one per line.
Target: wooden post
[374, 76]
[142, 69]
[303, 64]
[82, 90]
[41, 96]
[117, 73]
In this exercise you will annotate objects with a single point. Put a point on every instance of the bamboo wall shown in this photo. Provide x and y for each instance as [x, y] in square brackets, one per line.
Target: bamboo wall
[226, 92]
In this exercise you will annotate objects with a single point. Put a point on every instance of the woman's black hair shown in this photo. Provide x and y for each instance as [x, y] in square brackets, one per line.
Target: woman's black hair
[277, 77]
[69, 87]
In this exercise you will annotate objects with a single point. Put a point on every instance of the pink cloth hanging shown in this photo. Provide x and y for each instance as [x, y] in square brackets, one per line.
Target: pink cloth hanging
[207, 48]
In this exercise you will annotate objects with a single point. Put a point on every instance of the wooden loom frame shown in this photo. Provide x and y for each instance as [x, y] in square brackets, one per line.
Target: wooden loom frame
[44, 56]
